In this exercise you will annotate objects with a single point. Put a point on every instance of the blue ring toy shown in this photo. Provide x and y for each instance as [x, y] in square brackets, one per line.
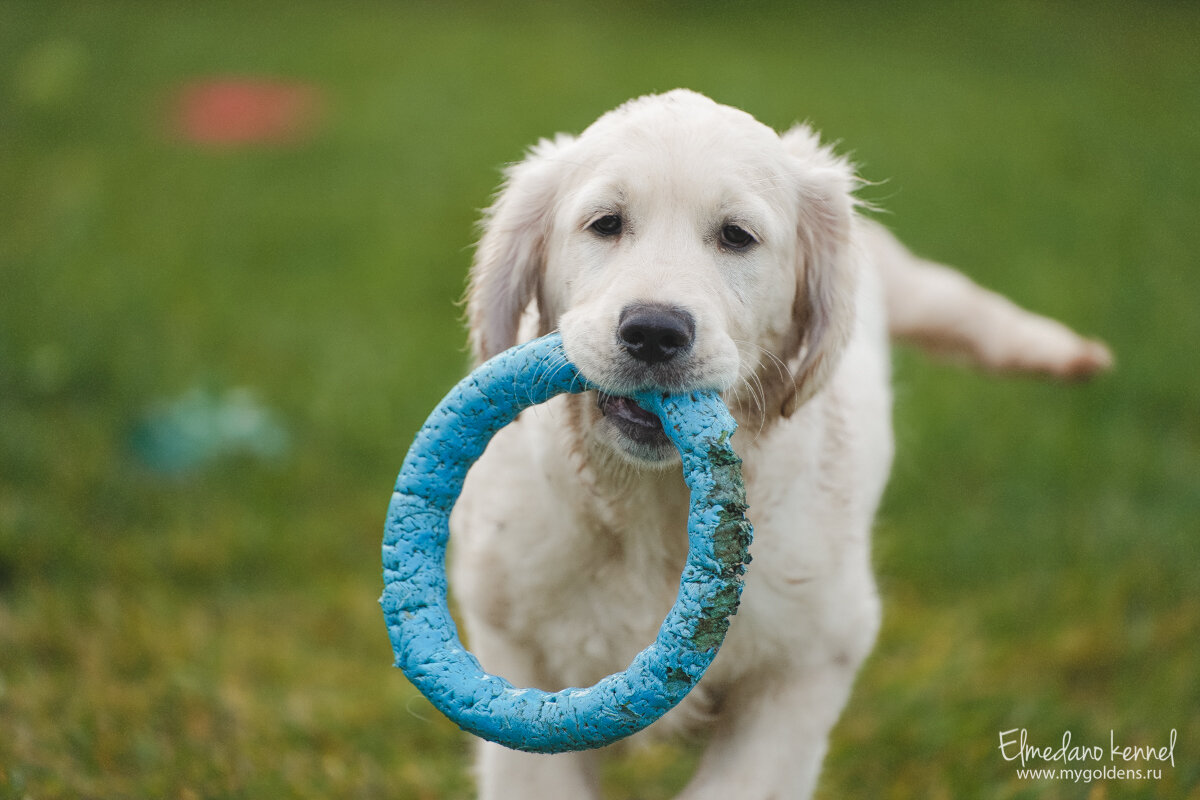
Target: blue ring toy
[423, 634]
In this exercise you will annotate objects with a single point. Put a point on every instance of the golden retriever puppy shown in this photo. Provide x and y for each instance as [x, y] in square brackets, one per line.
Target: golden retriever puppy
[680, 244]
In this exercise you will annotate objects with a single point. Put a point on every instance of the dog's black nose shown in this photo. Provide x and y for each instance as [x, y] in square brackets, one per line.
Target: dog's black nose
[655, 333]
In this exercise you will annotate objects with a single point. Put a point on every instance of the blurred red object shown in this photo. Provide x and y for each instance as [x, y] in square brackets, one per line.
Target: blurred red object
[241, 111]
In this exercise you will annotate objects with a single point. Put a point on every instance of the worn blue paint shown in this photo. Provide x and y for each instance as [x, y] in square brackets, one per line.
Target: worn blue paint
[424, 636]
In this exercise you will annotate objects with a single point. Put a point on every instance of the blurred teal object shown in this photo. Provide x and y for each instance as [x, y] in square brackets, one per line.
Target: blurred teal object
[202, 427]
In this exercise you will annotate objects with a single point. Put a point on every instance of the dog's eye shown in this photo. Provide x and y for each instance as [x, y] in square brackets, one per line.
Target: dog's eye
[735, 237]
[608, 225]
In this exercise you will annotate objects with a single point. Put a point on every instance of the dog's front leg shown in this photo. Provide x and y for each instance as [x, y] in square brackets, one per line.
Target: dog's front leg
[770, 738]
[505, 774]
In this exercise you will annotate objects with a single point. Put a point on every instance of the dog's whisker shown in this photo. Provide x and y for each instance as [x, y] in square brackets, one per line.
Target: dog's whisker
[754, 388]
[759, 395]
[545, 367]
[781, 368]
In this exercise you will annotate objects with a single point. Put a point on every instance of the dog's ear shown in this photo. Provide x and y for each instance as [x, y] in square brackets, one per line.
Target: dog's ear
[510, 257]
[827, 268]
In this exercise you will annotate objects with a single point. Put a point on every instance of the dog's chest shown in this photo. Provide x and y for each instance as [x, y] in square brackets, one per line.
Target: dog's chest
[615, 594]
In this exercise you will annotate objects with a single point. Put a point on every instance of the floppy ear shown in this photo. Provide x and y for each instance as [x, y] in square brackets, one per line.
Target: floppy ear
[510, 257]
[827, 270]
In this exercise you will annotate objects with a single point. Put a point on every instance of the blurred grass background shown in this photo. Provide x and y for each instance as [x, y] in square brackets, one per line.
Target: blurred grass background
[213, 631]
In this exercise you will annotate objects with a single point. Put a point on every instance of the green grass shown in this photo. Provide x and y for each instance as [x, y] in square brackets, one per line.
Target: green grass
[216, 634]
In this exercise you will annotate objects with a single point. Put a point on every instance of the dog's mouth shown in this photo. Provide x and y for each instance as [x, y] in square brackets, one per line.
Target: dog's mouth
[635, 422]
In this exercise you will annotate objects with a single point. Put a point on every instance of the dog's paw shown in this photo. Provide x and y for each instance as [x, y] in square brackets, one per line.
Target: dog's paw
[1091, 359]
[1054, 351]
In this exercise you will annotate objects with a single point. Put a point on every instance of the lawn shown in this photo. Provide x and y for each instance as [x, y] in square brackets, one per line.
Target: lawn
[202, 623]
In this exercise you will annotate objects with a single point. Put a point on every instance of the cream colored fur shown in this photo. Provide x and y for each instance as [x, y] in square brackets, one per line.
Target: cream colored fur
[569, 537]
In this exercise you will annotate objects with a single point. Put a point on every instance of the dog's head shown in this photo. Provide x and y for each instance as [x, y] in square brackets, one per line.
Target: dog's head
[677, 244]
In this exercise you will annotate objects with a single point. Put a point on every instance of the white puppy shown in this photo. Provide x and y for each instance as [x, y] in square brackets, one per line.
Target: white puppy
[679, 244]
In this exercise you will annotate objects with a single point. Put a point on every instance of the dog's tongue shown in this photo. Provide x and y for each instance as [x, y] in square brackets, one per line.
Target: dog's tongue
[629, 410]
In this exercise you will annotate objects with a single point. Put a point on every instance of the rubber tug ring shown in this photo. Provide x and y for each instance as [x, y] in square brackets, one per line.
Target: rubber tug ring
[423, 634]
